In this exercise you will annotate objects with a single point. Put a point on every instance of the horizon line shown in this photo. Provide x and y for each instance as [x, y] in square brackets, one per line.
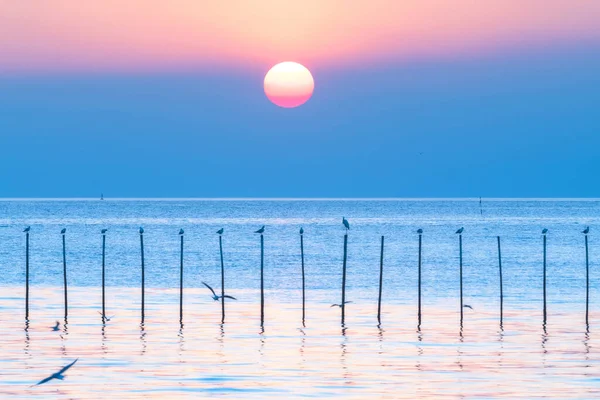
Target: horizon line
[299, 199]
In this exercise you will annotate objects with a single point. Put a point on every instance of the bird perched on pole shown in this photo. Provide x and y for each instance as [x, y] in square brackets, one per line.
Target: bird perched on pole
[586, 230]
[63, 231]
[301, 231]
[544, 231]
[419, 231]
[220, 231]
[181, 231]
[27, 229]
[103, 231]
[346, 223]
[460, 230]
[141, 230]
[261, 230]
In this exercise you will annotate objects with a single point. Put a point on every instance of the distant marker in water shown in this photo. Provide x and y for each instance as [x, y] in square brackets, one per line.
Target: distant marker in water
[64, 252]
[303, 281]
[544, 232]
[459, 233]
[587, 278]
[262, 279]
[343, 303]
[220, 233]
[501, 286]
[181, 232]
[26, 230]
[103, 232]
[143, 288]
[380, 282]
[420, 232]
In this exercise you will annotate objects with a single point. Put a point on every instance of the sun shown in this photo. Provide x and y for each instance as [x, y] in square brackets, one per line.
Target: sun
[289, 84]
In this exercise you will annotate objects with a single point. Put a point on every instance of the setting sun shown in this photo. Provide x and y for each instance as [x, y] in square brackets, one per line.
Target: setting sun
[289, 84]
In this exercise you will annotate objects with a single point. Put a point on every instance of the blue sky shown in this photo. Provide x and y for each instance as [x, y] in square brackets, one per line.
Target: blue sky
[509, 125]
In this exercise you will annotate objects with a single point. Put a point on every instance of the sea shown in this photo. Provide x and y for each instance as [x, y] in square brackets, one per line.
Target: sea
[531, 328]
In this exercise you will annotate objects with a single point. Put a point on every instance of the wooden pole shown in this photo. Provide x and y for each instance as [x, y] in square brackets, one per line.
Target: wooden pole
[544, 283]
[587, 283]
[103, 277]
[303, 281]
[143, 289]
[222, 280]
[343, 304]
[262, 281]
[461, 276]
[380, 282]
[64, 250]
[181, 278]
[27, 275]
[419, 284]
[501, 287]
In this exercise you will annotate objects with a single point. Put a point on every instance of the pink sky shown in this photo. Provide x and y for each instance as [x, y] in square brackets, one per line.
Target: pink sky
[140, 35]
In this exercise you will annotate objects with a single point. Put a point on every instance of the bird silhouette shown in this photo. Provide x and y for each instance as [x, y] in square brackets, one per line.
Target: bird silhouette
[419, 231]
[261, 230]
[55, 327]
[544, 231]
[181, 231]
[338, 305]
[460, 230]
[220, 231]
[346, 223]
[105, 317]
[467, 306]
[63, 230]
[586, 230]
[214, 295]
[103, 231]
[27, 229]
[141, 230]
[301, 231]
[57, 375]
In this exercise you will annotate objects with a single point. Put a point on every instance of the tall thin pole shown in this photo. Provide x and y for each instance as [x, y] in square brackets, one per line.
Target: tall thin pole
[461, 276]
[544, 279]
[143, 288]
[501, 287]
[181, 277]
[262, 281]
[343, 305]
[380, 282]
[103, 276]
[419, 284]
[303, 281]
[27, 275]
[222, 280]
[64, 250]
[587, 282]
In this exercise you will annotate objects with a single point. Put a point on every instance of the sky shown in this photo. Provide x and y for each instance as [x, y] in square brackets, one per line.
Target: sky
[419, 98]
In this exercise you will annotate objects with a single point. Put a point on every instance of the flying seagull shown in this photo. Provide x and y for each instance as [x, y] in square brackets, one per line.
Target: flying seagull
[220, 231]
[345, 222]
[141, 230]
[214, 295]
[181, 231]
[460, 230]
[586, 230]
[301, 231]
[57, 375]
[105, 317]
[467, 306]
[338, 305]
[63, 231]
[55, 327]
[27, 229]
[544, 231]
[103, 231]
[261, 230]
[419, 231]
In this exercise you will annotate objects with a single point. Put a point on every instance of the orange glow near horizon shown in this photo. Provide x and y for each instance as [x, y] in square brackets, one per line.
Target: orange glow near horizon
[45, 35]
[289, 84]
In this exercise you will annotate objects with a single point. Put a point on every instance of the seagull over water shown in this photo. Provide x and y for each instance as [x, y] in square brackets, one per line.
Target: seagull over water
[214, 295]
[461, 230]
[339, 305]
[57, 375]
[106, 318]
[467, 306]
[261, 230]
[103, 231]
[63, 231]
[544, 231]
[55, 327]
[220, 231]
[27, 229]
[346, 223]
[586, 230]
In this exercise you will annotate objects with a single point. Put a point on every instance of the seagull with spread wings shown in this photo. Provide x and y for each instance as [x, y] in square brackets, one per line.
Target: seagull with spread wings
[215, 296]
[57, 375]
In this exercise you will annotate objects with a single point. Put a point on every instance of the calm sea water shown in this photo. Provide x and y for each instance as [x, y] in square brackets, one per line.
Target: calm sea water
[238, 359]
